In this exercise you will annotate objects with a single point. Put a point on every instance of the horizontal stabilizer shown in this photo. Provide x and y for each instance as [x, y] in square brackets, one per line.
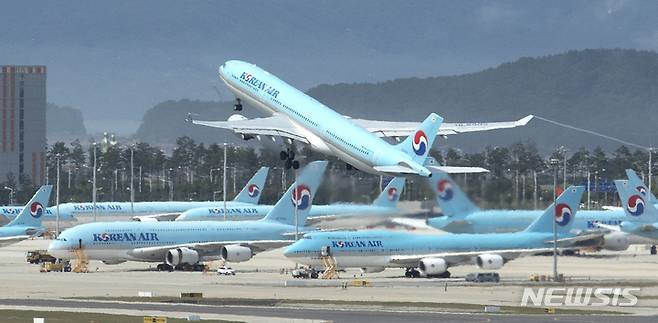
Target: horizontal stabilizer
[459, 169]
[396, 170]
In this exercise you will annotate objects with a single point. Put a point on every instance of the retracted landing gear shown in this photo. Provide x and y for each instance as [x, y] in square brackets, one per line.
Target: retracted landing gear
[238, 105]
[289, 157]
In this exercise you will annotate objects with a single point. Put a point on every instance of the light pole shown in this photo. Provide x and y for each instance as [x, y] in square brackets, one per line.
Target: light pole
[57, 199]
[650, 167]
[555, 163]
[11, 195]
[132, 187]
[93, 193]
[224, 181]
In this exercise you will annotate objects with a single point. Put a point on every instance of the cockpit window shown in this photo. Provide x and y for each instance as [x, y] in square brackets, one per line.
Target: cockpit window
[61, 239]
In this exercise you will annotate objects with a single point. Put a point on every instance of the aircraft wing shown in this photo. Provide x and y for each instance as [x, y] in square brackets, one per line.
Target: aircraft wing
[274, 126]
[208, 249]
[404, 128]
[466, 257]
[459, 169]
[5, 241]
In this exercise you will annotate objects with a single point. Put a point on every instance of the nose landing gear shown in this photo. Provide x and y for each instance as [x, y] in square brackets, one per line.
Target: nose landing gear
[238, 105]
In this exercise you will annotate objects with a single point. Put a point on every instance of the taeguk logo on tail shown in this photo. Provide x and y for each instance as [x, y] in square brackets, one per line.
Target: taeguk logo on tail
[301, 197]
[392, 194]
[635, 205]
[445, 189]
[36, 210]
[563, 214]
[253, 190]
[419, 144]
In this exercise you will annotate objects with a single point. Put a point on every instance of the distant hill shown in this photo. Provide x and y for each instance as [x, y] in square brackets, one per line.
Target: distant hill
[64, 124]
[614, 91]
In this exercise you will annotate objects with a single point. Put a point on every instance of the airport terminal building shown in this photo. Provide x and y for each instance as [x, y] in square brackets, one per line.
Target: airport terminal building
[23, 123]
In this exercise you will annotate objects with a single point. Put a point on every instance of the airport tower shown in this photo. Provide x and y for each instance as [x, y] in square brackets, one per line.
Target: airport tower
[23, 123]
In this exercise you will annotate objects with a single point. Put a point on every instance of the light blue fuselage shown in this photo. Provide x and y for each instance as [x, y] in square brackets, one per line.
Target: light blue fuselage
[374, 248]
[325, 129]
[115, 241]
[500, 221]
[253, 212]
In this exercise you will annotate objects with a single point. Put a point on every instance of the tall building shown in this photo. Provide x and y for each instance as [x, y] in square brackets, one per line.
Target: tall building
[23, 124]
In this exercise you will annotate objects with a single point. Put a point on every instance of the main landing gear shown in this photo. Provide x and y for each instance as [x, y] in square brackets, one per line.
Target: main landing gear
[289, 157]
[238, 105]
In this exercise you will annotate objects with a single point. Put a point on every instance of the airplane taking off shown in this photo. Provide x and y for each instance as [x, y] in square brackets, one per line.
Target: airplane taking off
[376, 250]
[461, 215]
[296, 116]
[299, 117]
[190, 242]
[383, 206]
[28, 222]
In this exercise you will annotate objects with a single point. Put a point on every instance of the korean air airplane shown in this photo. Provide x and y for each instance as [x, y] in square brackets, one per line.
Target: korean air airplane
[150, 211]
[433, 254]
[297, 117]
[28, 222]
[642, 216]
[385, 205]
[177, 243]
[461, 215]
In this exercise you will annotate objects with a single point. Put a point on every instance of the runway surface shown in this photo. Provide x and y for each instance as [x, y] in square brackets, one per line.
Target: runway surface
[335, 315]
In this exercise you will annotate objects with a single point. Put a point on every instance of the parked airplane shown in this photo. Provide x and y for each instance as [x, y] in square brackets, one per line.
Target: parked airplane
[299, 117]
[642, 215]
[28, 222]
[179, 243]
[385, 205]
[149, 211]
[433, 254]
[461, 215]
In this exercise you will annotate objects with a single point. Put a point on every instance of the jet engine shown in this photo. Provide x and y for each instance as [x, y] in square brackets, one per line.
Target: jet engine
[236, 253]
[372, 269]
[489, 261]
[181, 256]
[616, 241]
[432, 266]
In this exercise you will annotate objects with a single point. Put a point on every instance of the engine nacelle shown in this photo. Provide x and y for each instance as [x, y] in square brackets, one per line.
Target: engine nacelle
[236, 253]
[372, 269]
[489, 261]
[616, 241]
[181, 256]
[236, 117]
[432, 266]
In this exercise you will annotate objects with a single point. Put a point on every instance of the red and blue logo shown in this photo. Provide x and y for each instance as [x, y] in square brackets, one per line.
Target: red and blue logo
[635, 205]
[36, 210]
[253, 190]
[392, 194]
[301, 197]
[642, 190]
[419, 144]
[444, 189]
[563, 214]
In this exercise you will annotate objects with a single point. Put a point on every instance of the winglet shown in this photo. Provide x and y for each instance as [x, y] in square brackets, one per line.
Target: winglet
[252, 191]
[35, 208]
[523, 121]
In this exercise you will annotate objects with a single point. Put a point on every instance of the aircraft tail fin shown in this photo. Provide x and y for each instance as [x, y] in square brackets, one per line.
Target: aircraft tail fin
[35, 208]
[451, 199]
[562, 211]
[300, 194]
[390, 196]
[635, 205]
[418, 144]
[637, 182]
[252, 191]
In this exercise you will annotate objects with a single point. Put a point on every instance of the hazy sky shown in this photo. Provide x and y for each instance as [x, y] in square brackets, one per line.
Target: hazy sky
[116, 59]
